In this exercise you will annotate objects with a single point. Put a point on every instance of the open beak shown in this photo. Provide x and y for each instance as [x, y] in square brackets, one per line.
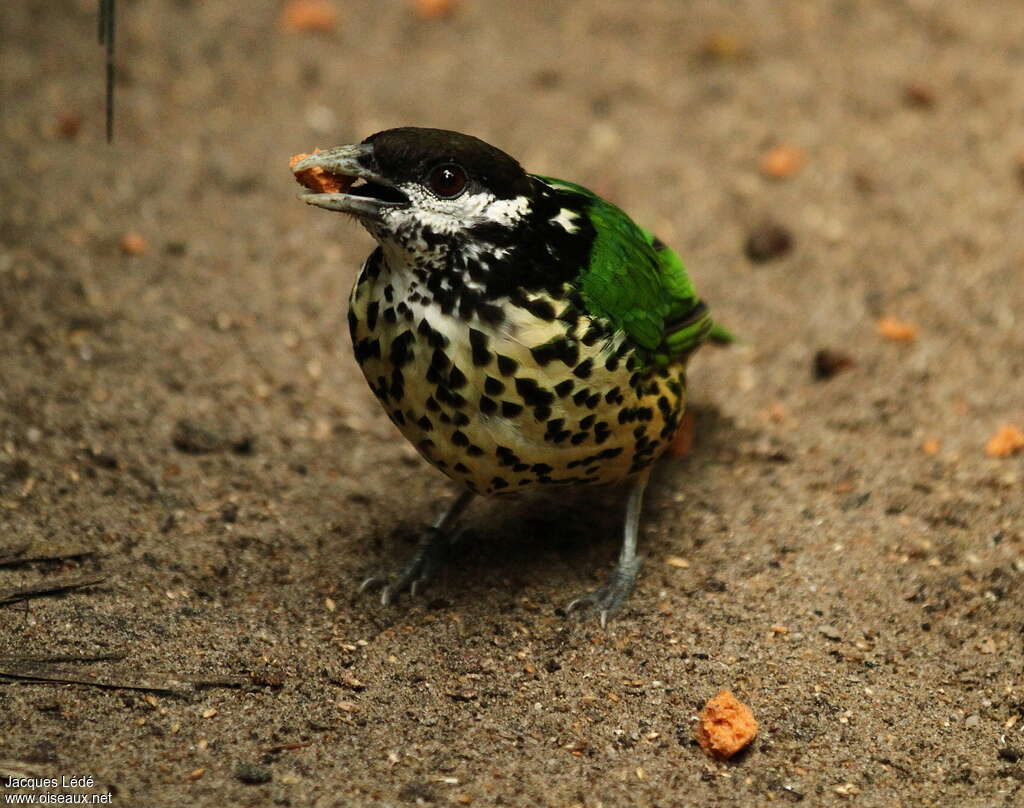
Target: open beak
[363, 192]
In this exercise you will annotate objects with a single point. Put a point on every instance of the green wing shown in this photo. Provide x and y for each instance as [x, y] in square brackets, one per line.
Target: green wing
[641, 285]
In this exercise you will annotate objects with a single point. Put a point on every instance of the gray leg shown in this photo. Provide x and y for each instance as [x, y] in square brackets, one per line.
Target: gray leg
[609, 598]
[430, 551]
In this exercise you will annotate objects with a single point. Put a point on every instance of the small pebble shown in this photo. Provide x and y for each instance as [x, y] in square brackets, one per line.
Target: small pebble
[829, 363]
[767, 241]
[253, 774]
[918, 94]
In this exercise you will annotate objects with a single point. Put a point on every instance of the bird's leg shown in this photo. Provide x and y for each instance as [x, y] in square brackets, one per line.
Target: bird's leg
[430, 551]
[607, 599]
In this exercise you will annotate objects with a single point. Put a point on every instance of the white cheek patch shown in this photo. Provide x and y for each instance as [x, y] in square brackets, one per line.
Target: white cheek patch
[565, 219]
[449, 216]
[506, 211]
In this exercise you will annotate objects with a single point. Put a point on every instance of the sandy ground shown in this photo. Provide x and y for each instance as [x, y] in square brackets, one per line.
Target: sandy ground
[187, 423]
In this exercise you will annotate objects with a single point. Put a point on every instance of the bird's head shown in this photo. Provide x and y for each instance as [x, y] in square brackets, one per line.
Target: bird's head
[416, 190]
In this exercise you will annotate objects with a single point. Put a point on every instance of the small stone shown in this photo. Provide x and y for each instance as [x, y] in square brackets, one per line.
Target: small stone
[767, 241]
[193, 438]
[829, 363]
[677, 562]
[972, 721]
[782, 162]
[253, 774]
[918, 94]
[830, 633]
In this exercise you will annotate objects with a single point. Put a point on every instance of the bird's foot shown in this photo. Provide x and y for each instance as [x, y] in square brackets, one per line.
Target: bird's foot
[417, 573]
[608, 599]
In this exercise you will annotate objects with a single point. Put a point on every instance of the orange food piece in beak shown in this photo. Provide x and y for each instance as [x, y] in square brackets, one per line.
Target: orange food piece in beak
[318, 179]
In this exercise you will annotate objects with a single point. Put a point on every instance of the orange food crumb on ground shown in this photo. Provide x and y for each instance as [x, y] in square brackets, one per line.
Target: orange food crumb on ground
[682, 443]
[68, 125]
[726, 726]
[1008, 440]
[132, 243]
[782, 162]
[931, 446]
[897, 330]
[434, 8]
[317, 179]
[309, 15]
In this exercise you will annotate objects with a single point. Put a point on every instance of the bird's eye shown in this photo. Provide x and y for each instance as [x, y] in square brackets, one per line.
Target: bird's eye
[447, 181]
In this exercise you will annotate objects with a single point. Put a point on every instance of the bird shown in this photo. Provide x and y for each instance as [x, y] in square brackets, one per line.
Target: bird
[522, 332]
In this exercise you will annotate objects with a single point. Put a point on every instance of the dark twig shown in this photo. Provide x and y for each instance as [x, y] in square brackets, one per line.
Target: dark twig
[60, 677]
[171, 687]
[23, 661]
[18, 557]
[106, 37]
[48, 589]
[287, 747]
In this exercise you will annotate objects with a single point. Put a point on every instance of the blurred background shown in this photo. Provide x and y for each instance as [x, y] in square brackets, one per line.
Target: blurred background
[180, 412]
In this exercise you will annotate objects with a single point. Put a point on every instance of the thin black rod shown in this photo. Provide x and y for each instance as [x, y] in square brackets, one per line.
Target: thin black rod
[106, 36]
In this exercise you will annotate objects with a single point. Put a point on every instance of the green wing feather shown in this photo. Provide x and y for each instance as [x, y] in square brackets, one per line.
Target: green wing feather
[641, 285]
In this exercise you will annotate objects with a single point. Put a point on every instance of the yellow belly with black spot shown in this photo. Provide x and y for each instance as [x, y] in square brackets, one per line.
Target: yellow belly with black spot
[490, 410]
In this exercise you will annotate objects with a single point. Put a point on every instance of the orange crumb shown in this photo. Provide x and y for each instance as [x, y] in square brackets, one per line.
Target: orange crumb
[776, 413]
[1007, 441]
[897, 330]
[68, 124]
[132, 243]
[724, 46]
[726, 726]
[434, 8]
[309, 15]
[319, 180]
[931, 446]
[782, 162]
[682, 443]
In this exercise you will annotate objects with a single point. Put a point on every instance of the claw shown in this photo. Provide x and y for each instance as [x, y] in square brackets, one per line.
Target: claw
[608, 599]
[421, 568]
[372, 583]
